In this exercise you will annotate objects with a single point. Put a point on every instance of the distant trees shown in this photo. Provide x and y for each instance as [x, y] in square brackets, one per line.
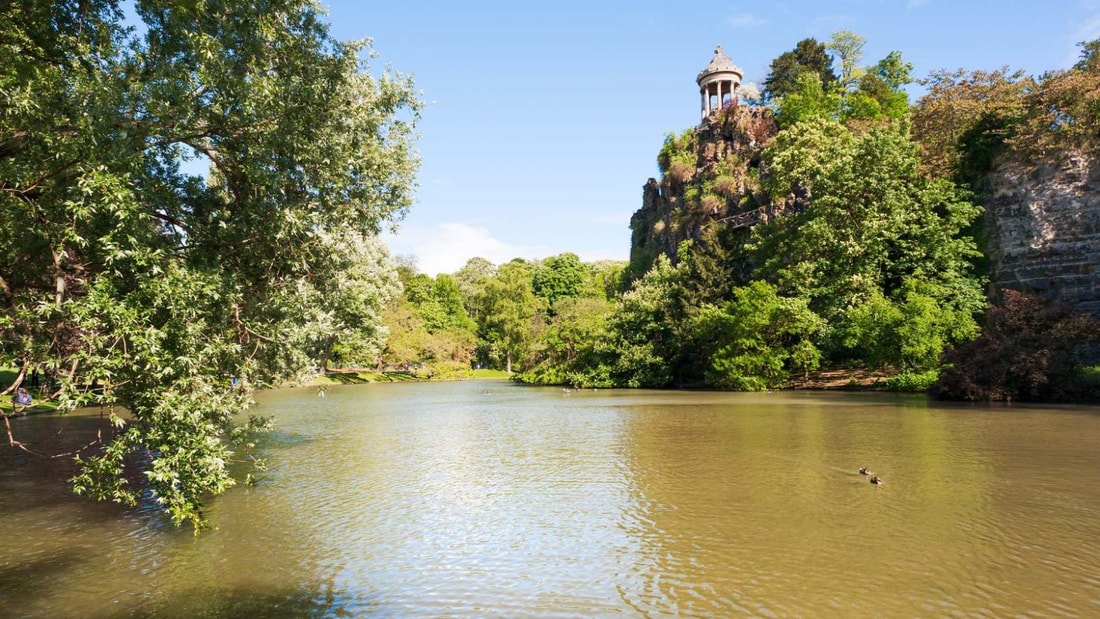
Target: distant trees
[545, 317]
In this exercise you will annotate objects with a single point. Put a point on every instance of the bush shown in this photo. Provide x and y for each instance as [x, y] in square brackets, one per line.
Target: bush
[1029, 350]
[912, 382]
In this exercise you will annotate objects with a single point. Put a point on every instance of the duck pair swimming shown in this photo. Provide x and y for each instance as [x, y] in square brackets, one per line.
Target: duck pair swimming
[875, 479]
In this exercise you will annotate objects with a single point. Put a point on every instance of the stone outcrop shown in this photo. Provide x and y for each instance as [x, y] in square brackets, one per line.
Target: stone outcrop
[1042, 221]
[1043, 229]
[715, 177]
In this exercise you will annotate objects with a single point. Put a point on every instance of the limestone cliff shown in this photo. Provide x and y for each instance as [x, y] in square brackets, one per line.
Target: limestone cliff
[1043, 228]
[710, 173]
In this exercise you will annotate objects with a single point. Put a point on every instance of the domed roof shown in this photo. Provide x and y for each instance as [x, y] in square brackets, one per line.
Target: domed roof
[721, 63]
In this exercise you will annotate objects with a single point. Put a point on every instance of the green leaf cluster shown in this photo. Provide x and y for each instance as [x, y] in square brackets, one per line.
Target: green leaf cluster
[132, 280]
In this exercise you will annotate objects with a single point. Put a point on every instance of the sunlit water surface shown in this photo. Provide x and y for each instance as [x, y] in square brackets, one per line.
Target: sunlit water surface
[483, 499]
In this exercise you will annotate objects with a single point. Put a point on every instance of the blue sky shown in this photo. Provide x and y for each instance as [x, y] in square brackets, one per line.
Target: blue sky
[543, 119]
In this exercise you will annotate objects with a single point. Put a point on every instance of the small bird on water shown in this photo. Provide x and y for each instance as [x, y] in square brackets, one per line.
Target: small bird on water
[876, 480]
[864, 471]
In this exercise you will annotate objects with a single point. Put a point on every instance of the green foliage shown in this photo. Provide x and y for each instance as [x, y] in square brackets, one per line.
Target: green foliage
[350, 304]
[572, 350]
[439, 303]
[868, 221]
[558, 277]
[808, 56]
[158, 286]
[645, 328]
[471, 280]
[859, 94]
[912, 382]
[909, 332]
[511, 311]
[677, 158]
[808, 100]
[847, 49]
[757, 338]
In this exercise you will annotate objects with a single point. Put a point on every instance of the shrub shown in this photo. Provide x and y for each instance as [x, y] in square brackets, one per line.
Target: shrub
[912, 382]
[1029, 350]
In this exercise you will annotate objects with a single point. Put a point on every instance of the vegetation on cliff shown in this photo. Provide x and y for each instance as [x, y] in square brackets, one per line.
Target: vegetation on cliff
[837, 226]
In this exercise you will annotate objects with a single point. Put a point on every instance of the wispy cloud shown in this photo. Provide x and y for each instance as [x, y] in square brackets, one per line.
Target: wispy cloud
[745, 19]
[1087, 30]
[445, 248]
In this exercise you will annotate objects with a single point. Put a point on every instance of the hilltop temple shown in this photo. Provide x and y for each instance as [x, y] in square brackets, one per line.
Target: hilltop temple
[718, 83]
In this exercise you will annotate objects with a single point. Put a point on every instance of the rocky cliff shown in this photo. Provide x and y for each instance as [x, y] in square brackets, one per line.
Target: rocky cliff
[1043, 228]
[710, 173]
[1042, 220]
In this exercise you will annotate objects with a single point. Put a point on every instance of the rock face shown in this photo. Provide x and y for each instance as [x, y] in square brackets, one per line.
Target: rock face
[711, 174]
[1042, 222]
[1043, 229]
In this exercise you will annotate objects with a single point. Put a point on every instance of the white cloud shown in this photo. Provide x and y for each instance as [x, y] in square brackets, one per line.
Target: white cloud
[445, 248]
[744, 19]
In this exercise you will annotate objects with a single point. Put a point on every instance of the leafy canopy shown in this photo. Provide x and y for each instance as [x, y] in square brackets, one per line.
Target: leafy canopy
[125, 271]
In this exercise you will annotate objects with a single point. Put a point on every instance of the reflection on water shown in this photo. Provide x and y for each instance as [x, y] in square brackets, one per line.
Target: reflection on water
[487, 499]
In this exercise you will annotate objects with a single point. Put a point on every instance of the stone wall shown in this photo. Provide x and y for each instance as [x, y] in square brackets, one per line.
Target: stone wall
[1043, 227]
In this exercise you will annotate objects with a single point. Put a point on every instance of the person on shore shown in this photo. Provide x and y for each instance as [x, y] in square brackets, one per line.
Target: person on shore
[20, 400]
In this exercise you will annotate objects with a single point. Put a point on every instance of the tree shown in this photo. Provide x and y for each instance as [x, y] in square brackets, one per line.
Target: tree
[349, 305]
[867, 222]
[127, 272]
[572, 349]
[438, 302]
[808, 56]
[646, 326]
[1028, 350]
[471, 279]
[965, 118]
[807, 101]
[558, 277]
[1062, 111]
[847, 49]
[757, 338]
[511, 309]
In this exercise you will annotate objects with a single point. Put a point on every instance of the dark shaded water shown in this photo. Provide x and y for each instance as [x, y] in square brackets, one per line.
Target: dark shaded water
[487, 499]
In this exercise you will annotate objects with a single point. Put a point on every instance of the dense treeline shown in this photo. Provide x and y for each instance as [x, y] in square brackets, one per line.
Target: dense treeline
[867, 253]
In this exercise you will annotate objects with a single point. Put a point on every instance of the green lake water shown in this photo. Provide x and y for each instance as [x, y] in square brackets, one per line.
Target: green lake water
[486, 499]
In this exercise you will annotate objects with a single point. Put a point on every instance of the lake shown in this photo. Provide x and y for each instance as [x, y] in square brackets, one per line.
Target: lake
[483, 498]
